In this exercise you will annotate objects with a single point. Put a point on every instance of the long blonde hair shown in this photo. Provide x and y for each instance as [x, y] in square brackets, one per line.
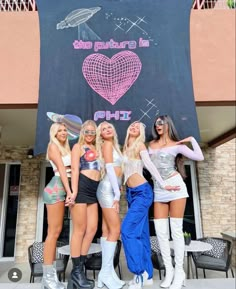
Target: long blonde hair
[86, 123]
[99, 142]
[64, 149]
[132, 151]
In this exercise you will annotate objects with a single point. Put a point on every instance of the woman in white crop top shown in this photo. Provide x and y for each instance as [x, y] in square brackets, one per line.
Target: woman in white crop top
[108, 194]
[135, 227]
[58, 153]
[166, 151]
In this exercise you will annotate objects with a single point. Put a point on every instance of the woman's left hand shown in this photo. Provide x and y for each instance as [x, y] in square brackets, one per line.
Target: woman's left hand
[187, 139]
[116, 206]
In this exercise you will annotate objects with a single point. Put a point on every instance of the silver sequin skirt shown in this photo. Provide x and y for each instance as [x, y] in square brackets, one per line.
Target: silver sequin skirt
[105, 194]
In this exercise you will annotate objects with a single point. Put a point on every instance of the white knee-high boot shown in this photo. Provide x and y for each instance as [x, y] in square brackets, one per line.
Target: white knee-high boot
[176, 225]
[105, 275]
[162, 232]
[114, 275]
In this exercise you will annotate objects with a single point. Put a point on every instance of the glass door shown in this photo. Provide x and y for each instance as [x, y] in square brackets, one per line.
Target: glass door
[9, 193]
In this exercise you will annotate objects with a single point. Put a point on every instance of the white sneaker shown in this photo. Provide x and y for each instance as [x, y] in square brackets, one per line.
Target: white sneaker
[146, 281]
[138, 284]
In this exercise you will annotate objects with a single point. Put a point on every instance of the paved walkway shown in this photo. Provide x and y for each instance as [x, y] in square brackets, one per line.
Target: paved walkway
[191, 284]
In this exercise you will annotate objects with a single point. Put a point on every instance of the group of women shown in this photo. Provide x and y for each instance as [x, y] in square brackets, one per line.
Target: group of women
[93, 173]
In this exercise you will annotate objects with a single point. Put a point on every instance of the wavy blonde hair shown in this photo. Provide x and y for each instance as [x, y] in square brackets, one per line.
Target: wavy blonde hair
[132, 151]
[99, 142]
[84, 125]
[64, 149]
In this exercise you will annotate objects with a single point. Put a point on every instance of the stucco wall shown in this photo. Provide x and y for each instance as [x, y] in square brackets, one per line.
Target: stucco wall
[212, 54]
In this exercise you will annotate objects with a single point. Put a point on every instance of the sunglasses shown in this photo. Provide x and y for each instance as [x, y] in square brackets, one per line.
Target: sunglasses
[160, 122]
[89, 132]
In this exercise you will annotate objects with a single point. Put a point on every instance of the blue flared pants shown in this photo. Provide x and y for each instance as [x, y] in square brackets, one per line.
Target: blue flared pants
[135, 230]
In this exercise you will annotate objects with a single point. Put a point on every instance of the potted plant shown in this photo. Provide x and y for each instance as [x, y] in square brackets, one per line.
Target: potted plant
[231, 4]
[187, 238]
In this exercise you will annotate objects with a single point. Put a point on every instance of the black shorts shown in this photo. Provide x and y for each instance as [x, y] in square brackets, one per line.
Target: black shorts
[87, 190]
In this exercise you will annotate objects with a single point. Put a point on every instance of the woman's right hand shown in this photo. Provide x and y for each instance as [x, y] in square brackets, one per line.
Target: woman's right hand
[70, 199]
[172, 188]
[116, 206]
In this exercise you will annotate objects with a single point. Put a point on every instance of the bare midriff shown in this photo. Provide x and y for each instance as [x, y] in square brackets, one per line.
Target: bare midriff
[91, 174]
[135, 180]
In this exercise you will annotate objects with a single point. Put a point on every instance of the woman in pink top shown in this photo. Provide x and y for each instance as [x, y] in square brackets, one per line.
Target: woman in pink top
[166, 152]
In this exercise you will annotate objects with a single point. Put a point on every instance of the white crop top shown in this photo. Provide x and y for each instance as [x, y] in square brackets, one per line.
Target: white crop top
[66, 162]
[135, 166]
[131, 167]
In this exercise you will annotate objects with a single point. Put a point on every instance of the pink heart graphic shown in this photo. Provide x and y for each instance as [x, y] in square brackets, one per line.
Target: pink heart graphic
[111, 78]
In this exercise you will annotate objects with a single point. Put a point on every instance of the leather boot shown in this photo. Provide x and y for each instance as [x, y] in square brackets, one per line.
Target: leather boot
[162, 232]
[48, 280]
[78, 279]
[114, 275]
[105, 275]
[82, 260]
[176, 225]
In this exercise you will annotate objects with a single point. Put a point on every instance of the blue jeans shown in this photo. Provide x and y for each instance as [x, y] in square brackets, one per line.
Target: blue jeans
[135, 230]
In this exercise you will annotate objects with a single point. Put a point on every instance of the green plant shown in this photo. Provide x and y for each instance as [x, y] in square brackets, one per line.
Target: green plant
[187, 235]
[231, 4]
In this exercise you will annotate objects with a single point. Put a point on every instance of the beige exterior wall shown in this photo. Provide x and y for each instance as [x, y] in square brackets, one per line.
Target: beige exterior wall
[216, 178]
[19, 57]
[212, 55]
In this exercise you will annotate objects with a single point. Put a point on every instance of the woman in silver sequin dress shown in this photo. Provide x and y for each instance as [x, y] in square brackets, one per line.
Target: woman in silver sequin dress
[166, 151]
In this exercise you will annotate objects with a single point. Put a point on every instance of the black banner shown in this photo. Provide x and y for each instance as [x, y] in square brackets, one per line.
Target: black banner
[118, 61]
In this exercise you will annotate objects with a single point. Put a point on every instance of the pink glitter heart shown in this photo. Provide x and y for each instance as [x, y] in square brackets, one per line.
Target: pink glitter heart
[111, 78]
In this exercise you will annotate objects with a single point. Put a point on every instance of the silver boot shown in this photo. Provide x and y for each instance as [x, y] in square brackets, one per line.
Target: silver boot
[48, 280]
[59, 284]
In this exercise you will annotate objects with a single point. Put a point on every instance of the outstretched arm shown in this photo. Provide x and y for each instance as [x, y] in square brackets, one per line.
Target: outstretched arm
[195, 154]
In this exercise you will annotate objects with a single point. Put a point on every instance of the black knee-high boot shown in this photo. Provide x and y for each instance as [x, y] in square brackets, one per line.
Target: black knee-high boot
[78, 279]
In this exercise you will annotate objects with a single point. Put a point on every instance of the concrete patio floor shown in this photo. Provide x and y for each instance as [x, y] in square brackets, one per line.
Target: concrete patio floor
[214, 280]
[191, 284]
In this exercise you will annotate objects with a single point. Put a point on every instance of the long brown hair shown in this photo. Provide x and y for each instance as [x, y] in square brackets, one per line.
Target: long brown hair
[173, 135]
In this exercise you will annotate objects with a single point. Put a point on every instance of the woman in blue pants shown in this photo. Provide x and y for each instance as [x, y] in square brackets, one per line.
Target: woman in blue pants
[135, 227]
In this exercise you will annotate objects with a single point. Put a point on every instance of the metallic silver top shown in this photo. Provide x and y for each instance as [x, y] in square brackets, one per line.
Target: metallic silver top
[165, 163]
